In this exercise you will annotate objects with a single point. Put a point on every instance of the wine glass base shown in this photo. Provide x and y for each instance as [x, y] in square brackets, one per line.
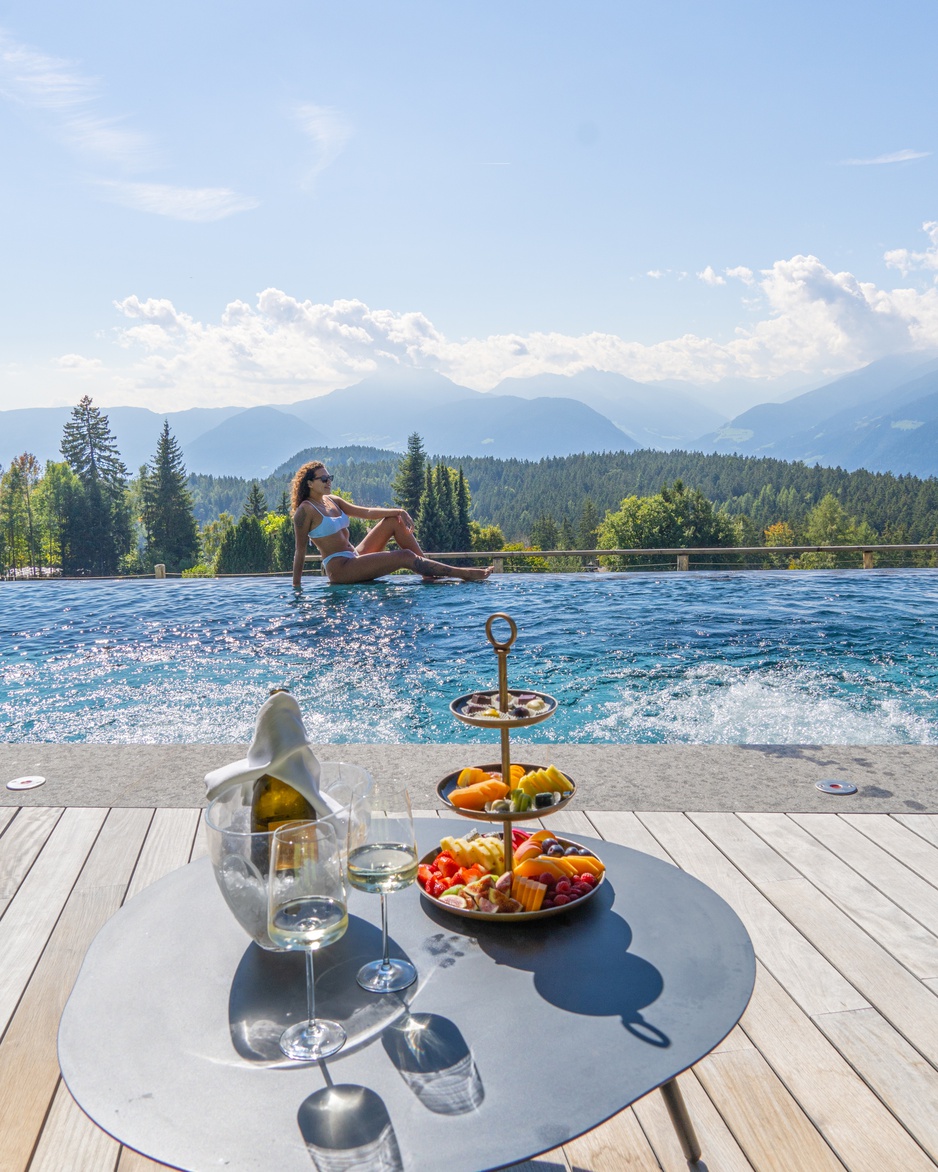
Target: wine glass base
[379, 977]
[307, 1041]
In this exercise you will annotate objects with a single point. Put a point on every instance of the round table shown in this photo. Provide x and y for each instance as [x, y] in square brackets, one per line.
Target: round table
[515, 1039]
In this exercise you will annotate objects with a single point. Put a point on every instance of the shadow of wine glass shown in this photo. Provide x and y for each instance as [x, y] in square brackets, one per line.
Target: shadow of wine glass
[435, 1061]
[347, 1128]
[268, 993]
[561, 952]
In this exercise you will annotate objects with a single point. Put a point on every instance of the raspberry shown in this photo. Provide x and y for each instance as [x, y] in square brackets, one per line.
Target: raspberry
[560, 900]
[547, 903]
[578, 890]
[563, 887]
[588, 879]
[546, 878]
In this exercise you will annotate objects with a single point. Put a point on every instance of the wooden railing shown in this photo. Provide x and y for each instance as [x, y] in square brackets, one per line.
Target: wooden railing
[682, 556]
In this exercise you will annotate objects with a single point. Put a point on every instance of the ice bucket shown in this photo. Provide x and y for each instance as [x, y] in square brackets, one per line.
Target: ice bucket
[241, 859]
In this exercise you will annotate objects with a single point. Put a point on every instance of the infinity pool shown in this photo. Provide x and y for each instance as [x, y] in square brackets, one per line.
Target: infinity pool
[846, 657]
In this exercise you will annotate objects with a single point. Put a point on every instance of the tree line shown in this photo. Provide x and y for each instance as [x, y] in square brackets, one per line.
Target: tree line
[85, 514]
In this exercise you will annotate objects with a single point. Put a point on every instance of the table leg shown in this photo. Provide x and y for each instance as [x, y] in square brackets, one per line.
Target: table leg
[674, 1101]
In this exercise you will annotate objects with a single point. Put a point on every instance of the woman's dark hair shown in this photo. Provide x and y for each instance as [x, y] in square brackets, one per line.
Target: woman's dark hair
[300, 488]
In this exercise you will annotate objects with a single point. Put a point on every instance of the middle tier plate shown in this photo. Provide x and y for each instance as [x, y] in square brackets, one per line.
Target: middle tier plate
[446, 786]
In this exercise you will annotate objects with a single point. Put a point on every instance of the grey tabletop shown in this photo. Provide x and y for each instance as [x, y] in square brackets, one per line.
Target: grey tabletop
[516, 1037]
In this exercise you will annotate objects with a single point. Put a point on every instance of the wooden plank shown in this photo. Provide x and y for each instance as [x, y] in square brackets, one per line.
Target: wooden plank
[70, 1140]
[814, 982]
[7, 814]
[626, 829]
[29, 1068]
[33, 911]
[20, 847]
[904, 1081]
[168, 845]
[199, 843]
[718, 1147]
[904, 844]
[862, 1132]
[767, 1123]
[131, 1161]
[618, 1145]
[571, 822]
[754, 857]
[925, 825]
[910, 891]
[890, 987]
[900, 933]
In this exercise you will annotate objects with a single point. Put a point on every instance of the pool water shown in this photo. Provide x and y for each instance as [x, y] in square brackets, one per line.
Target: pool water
[821, 657]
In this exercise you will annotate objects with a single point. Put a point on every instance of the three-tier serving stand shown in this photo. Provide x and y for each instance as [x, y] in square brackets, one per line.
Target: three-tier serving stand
[504, 725]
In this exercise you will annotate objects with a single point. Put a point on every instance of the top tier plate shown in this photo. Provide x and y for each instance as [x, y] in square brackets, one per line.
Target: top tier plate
[457, 707]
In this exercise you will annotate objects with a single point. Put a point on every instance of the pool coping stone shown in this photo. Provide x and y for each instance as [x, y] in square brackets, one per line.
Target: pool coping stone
[718, 778]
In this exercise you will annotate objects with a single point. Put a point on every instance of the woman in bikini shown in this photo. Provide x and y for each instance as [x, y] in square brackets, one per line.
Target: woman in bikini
[323, 519]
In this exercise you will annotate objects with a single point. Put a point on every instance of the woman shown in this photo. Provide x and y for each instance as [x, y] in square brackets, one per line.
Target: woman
[323, 519]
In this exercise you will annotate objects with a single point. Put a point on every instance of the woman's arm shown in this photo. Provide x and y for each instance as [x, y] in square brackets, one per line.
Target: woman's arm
[302, 523]
[372, 514]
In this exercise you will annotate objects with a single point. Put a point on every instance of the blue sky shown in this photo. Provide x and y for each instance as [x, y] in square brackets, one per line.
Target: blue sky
[225, 202]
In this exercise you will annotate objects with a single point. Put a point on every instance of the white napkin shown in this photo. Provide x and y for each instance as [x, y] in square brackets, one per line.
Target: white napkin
[280, 747]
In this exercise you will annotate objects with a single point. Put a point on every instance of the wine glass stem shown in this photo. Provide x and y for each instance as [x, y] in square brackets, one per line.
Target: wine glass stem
[310, 987]
[385, 958]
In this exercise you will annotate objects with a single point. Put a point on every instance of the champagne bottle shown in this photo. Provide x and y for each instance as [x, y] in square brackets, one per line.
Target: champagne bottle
[274, 802]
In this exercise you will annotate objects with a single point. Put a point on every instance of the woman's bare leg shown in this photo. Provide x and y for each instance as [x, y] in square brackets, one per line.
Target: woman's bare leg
[368, 566]
[387, 528]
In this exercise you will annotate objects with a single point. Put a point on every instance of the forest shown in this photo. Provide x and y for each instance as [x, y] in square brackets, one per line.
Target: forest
[86, 515]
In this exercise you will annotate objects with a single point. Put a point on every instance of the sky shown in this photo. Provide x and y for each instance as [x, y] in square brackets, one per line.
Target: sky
[232, 203]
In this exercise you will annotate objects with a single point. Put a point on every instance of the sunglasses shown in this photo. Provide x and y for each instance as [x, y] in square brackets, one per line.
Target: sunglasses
[325, 479]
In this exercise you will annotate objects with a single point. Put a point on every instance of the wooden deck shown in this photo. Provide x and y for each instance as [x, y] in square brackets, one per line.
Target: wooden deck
[832, 1067]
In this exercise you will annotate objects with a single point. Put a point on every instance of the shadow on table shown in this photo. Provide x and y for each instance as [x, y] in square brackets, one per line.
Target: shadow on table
[581, 961]
[435, 1061]
[268, 993]
[347, 1128]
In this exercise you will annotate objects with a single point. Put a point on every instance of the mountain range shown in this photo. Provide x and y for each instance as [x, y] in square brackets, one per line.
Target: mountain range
[883, 417]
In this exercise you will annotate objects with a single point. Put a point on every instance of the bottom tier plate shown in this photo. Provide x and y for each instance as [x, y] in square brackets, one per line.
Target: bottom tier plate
[510, 917]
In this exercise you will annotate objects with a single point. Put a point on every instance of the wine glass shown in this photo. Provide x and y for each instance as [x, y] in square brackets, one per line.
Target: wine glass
[307, 908]
[385, 861]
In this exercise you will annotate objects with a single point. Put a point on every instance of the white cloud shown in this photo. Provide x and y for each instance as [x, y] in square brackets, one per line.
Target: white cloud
[741, 273]
[329, 131]
[198, 204]
[905, 260]
[70, 101]
[655, 274]
[895, 157]
[709, 277]
[813, 322]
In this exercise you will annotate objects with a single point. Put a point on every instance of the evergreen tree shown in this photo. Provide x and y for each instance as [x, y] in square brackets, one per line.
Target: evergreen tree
[284, 507]
[446, 496]
[244, 549]
[256, 503]
[544, 533]
[566, 534]
[463, 534]
[408, 485]
[431, 529]
[102, 516]
[587, 525]
[57, 502]
[171, 531]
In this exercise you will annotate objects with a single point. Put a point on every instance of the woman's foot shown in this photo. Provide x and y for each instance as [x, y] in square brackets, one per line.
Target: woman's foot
[472, 573]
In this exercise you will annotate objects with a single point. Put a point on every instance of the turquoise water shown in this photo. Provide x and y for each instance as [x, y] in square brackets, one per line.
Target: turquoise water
[844, 657]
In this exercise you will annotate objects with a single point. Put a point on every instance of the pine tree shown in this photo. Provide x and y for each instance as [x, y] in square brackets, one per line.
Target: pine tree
[244, 549]
[446, 495]
[431, 528]
[102, 521]
[463, 535]
[544, 533]
[283, 508]
[171, 529]
[256, 503]
[587, 525]
[566, 534]
[408, 485]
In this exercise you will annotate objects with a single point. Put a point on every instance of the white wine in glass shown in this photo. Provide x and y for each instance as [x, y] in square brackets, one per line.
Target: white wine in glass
[307, 910]
[386, 861]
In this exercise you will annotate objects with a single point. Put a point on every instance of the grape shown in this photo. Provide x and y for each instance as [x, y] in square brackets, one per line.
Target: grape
[572, 850]
[547, 843]
[555, 852]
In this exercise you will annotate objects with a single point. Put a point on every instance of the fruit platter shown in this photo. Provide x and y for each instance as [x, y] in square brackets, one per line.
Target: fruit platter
[549, 875]
[488, 709]
[482, 792]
